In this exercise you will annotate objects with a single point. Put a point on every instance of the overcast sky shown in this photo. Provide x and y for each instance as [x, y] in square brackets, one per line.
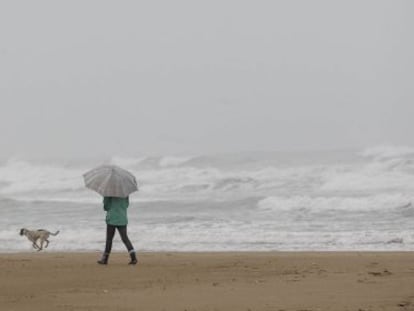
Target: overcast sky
[189, 77]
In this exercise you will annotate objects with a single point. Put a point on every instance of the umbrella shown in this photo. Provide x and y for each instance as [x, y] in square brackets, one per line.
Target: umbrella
[111, 181]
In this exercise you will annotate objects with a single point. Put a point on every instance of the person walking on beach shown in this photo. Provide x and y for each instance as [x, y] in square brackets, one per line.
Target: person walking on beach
[115, 184]
[116, 219]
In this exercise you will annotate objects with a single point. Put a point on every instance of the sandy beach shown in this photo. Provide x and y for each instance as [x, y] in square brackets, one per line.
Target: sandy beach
[208, 281]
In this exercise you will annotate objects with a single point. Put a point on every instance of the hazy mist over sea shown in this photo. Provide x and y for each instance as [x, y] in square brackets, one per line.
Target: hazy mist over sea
[228, 112]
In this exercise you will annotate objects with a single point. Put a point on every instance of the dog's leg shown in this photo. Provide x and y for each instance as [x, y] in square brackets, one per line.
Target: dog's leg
[39, 248]
[41, 245]
[47, 243]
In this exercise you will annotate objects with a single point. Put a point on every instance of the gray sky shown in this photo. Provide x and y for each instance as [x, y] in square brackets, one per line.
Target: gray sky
[177, 77]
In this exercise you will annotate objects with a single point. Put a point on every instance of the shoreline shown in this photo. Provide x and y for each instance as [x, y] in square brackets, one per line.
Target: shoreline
[289, 281]
[281, 253]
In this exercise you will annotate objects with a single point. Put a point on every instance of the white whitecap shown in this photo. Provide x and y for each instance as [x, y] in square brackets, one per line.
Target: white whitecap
[169, 161]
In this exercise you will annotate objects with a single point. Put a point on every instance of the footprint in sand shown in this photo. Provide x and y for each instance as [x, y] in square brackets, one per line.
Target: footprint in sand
[385, 272]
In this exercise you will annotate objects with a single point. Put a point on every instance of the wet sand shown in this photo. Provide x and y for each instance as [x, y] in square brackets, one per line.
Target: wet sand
[359, 281]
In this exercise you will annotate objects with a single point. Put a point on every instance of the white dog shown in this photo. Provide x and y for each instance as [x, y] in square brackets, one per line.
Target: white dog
[35, 235]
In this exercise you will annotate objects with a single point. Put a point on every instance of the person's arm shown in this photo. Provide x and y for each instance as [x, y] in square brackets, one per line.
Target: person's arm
[105, 204]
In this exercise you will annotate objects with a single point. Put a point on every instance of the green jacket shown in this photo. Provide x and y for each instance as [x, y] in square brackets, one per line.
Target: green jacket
[116, 210]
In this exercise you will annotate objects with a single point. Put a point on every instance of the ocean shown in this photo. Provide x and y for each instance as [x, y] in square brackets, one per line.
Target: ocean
[257, 201]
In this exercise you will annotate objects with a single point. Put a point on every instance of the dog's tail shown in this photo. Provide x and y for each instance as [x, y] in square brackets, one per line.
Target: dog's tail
[56, 233]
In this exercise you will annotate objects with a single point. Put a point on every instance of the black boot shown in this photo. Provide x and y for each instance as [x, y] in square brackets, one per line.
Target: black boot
[104, 259]
[133, 257]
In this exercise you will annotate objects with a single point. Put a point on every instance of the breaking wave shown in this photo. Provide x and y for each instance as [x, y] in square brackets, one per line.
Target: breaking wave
[378, 171]
[365, 204]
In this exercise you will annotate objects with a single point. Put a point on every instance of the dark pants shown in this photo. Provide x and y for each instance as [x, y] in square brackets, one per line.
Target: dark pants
[110, 232]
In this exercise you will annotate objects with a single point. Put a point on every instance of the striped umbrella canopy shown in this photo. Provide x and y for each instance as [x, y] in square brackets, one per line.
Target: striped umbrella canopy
[111, 181]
